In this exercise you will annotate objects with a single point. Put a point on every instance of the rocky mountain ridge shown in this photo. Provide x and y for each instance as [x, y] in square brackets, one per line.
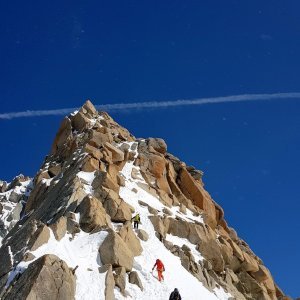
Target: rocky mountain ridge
[96, 177]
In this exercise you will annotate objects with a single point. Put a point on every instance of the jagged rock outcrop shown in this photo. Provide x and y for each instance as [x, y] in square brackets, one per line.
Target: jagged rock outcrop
[78, 188]
[114, 251]
[93, 217]
[46, 278]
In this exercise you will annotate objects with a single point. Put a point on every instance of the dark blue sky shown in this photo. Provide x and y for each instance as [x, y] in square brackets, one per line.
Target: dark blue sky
[57, 54]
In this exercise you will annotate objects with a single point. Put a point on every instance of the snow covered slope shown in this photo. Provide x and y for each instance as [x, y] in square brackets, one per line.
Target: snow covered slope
[82, 251]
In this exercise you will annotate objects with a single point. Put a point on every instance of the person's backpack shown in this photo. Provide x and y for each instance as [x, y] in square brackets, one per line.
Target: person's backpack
[175, 296]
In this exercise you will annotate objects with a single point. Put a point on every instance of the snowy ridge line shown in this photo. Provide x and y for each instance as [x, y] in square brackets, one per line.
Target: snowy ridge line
[155, 104]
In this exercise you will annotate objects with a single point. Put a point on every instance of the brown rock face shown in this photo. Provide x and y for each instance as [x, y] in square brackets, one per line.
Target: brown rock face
[114, 251]
[198, 195]
[212, 252]
[63, 136]
[129, 237]
[46, 278]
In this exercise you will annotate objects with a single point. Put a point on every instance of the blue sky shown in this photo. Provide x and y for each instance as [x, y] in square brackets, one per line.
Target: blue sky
[58, 54]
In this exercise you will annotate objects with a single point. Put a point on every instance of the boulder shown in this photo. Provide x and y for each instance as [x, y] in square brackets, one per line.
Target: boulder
[182, 208]
[104, 268]
[269, 283]
[117, 154]
[250, 285]
[59, 228]
[54, 170]
[15, 197]
[120, 180]
[167, 211]
[129, 237]
[35, 197]
[135, 279]
[40, 237]
[3, 186]
[115, 207]
[249, 264]
[63, 135]
[14, 216]
[211, 251]
[124, 212]
[157, 165]
[158, 225]
[152, 210]
[261, 274]
[142, 234]
[80, 121]
[46, 278]
[163, 185]
[114, 251]
[196, 174]
[6, 262]
[93, 151]
[72, 227]
[226, 250]
[88, 109]
[42, 174]
[93, 216]
[142, 203]
[236, 250]
[97, 139]
[179, 228]
[157, 144]
[120, 278]
[90, 164]
[135, 174]
[103, 179]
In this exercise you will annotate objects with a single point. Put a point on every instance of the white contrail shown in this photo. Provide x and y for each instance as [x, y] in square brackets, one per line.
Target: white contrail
[156, 104]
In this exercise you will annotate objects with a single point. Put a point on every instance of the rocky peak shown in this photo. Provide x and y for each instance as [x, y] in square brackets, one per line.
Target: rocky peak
[95, 179]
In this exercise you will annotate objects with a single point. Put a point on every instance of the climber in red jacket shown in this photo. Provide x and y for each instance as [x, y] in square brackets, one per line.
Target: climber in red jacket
[160, 269]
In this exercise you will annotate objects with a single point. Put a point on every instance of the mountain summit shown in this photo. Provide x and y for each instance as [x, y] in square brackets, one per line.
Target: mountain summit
[68, 233]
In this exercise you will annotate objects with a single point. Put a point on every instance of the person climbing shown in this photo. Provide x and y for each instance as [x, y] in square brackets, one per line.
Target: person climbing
[160, 269]
[175, 295]
[136, 220]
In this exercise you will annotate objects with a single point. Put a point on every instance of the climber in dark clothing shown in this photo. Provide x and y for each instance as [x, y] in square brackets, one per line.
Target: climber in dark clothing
[175, 295]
